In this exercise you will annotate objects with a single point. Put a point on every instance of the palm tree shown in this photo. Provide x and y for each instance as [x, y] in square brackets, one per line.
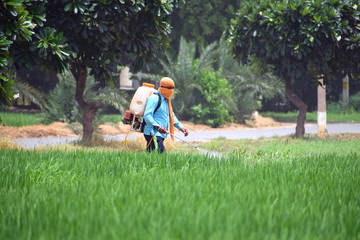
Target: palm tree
[63, 107]
[251, 83]
[31, 93]
[184, 70]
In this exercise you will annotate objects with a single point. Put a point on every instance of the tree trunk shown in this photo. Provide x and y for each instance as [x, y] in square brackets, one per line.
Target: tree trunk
[89, 110]
[321, 105]
[300, 105]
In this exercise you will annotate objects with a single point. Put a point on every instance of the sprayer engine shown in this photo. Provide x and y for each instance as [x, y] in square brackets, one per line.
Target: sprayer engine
[130, 119]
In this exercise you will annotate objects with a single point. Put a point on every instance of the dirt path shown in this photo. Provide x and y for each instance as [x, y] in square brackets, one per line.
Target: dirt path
[58, 129]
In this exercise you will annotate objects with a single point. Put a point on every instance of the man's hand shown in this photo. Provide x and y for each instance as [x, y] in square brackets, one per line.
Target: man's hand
[161, 129]
[185, 131]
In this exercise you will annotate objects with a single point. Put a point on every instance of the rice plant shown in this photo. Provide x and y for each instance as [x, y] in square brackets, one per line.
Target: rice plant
[312, 116]
[84, 194]
[20, 119]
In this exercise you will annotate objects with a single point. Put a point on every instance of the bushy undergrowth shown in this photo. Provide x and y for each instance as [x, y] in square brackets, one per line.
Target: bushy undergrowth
[355, 101]
[119, 195]
[339, 107]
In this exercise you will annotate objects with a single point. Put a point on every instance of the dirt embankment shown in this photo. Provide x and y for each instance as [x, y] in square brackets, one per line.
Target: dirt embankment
[58, 129]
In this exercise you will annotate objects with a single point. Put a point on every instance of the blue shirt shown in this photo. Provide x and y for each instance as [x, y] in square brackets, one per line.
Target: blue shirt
[160, 118]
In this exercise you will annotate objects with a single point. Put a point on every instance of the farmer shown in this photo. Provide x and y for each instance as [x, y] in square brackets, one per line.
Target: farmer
[160, 121]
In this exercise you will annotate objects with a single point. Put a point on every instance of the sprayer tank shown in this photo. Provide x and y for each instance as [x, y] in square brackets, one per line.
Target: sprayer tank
[138, 102]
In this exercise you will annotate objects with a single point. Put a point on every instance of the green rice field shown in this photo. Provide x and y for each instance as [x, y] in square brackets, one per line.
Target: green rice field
[20, 119]
[267, 193]
[332, 117]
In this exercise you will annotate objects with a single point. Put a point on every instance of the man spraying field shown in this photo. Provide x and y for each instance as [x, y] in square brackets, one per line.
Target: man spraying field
[161, 120]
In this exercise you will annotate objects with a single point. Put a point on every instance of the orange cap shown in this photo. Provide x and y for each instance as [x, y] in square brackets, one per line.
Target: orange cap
[148, 85]
[166, 81]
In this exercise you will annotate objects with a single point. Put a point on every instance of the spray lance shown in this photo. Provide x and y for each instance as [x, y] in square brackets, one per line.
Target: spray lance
[202, 151]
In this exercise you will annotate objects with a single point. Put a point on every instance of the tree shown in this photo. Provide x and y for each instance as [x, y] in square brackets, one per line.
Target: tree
[302, 39]
[101, 34]
[203, 21]
[15, 25]
[22, 44]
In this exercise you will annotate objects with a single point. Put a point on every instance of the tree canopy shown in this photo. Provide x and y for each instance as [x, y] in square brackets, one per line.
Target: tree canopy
[85, 34]
[101, 34]
[302, 39]
[203, 21]
[15, 25]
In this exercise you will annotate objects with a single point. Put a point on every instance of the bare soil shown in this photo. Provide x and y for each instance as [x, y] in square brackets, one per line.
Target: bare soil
[59, 129]
[56, 129]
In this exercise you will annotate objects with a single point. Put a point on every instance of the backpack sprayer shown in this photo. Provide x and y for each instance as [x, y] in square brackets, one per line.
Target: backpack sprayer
[134, 116]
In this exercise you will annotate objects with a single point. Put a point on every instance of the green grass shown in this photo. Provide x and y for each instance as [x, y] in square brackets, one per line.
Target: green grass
[20, 119]
[309, 146]
[117, 195]
[23, 119]
[112, 118]
[312, 116]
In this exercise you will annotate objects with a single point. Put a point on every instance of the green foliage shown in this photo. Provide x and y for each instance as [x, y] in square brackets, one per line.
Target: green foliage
[88, 34]
[247, 104]
[300, 38]
[52, 47]
[196, 83]
[20, 20]
[100, 33]
[212, 109]
[15, 24]
[112, 118]
[250, 83]
[63, 107]
[184, 70]
[340, 107]
[355, 102]
[103, 34]
[6, 90]
[203, 21]
[34, 95]
[62, 104]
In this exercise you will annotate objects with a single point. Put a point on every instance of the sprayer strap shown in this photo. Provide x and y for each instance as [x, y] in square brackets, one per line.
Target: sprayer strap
[157, 107]
[159, 102]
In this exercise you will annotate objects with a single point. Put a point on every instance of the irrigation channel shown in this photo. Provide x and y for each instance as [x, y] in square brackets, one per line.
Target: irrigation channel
[333, 128]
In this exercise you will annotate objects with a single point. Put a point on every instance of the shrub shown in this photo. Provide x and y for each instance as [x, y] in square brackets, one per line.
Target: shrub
[355, 101]
[339, 107]
[216, 93]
